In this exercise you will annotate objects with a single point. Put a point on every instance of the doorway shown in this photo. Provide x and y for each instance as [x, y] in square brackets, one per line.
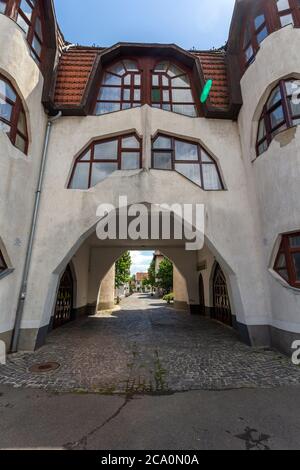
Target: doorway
[221, 307]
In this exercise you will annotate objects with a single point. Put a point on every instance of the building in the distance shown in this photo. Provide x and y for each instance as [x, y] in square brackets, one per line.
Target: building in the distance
[139, 281]
[81, 126]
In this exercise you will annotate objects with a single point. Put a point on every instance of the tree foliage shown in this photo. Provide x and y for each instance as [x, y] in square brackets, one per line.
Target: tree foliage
[164, 276]
[123, 266]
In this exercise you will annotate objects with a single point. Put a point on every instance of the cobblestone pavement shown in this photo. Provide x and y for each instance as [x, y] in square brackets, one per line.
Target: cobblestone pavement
[147, 347]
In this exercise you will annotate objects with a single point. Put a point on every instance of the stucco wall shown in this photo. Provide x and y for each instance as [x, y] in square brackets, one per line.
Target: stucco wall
[18, 172]
[274, 175]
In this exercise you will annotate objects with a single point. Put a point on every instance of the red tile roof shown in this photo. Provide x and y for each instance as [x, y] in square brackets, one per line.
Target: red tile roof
[214, 68]
[76, 65]
[74, 69]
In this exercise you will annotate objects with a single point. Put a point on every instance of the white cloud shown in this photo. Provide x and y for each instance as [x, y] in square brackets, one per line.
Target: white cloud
[140, 261]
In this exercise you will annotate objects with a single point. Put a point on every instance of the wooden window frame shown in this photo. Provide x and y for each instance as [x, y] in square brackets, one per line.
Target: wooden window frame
[188, 162]
[5, 268]
[272, 23]
[13, 10]
[288, 117]
[118, 160]
[287, 250]
[146, 67]
[17, 109]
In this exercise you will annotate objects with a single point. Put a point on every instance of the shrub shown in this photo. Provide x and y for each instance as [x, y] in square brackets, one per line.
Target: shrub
[169, 298]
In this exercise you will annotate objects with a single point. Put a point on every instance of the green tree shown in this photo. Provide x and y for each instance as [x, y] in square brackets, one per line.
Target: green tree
[151, 274]
[165, 275]
[123, 266]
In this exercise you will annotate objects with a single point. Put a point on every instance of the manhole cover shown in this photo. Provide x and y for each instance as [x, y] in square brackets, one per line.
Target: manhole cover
[45, 367]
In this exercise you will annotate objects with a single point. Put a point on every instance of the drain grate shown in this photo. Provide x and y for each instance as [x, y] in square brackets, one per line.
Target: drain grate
[45, 367]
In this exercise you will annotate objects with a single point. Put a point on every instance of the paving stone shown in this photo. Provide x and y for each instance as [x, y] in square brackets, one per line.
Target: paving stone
[148, 348]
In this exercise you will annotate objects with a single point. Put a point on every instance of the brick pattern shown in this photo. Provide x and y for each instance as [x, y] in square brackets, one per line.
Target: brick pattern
[74, 70]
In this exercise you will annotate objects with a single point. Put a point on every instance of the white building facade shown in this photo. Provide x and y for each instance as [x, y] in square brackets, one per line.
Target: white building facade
[80, 127]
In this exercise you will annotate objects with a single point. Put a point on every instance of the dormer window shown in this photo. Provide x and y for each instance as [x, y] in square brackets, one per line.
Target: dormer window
[129, 84]
[29, 19]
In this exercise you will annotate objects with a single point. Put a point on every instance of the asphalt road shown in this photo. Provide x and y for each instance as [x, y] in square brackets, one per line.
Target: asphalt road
[233, 419]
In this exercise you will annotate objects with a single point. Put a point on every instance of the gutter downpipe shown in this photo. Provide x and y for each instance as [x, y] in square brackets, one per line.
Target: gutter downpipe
[23, 289]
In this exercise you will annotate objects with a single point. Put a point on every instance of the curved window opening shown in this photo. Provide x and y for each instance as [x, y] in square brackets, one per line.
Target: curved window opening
[12, 116]
[269, 17]
[128, 84]
[171, 90]
[3, 265]
[120, 88]
[188, 159]
[287, 263]
[102, 158]
[281, 112]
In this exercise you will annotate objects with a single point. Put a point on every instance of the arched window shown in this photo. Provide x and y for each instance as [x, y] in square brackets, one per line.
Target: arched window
[29, 19]
[287, 263]
[188, 159]
[129, 84]
[120, 88]
[104, 157]
[3, 265]
[171, 90]
[261, 21]
[12, 116]
[281, 111]
[28, 16]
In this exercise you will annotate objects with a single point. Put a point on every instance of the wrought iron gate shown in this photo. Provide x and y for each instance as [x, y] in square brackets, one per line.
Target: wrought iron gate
[222, 308]
[64, 302]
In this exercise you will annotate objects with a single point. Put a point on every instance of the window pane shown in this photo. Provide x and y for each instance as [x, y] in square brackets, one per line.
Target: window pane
[2, 6]
[26, 9]
[127, 80]
[262, 147]
[165, 81]
[286, 19]
[283, 5]
[162, 143]
[277, 116]
[190, 171]
[262, 35]
[249, 53]
[182, 96]
[110, 79]
[156, 95]
[104, 108]
[131, 66]
[281, 262]
[137, 95]
[106, 150]
[166, 107]
[181, 82]
[22, 23]
[155, 80]
[296, 258]
[36, 46]
[185, 151]
[166, 95]
[261, 130]
[38, 28]
[6, 91]
[101, 170]
[110, 94]
[295, 107]
[137, 80]
[211, 180]
[118, 69]
[283, 273]
[126, 94]
[163, 161]
[274, 98]
[130, 161]
[22, 124]
[259, 21]
[174, 71]
[80, 178]
[5, 110]
[161, 67]
[205, 158]
[130, 142]
[295, 241]
[20, 143]
[186, 109]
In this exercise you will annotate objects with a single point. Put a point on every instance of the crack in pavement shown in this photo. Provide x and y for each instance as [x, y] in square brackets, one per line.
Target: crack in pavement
[83, 442]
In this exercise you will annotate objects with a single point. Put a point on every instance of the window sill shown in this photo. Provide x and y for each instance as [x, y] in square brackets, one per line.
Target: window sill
[284, 283]
[5, 273]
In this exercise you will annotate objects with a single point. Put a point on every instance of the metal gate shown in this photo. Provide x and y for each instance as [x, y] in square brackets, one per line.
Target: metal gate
[64, 302]
[222, 308]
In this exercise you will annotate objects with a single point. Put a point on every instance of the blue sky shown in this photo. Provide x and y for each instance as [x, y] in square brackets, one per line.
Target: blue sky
[141, 261]
[202, 24]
